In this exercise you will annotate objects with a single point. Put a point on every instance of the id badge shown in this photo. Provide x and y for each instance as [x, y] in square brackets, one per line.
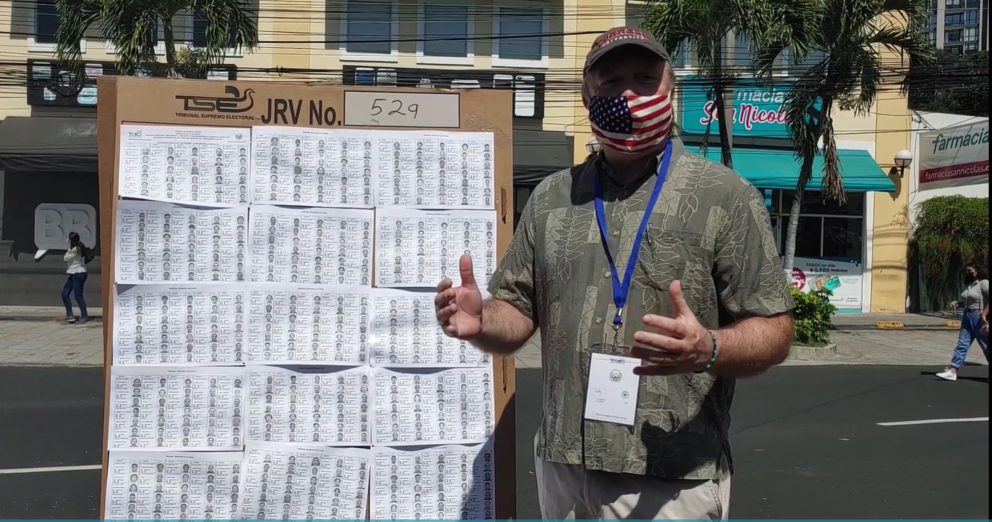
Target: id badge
[611, 395]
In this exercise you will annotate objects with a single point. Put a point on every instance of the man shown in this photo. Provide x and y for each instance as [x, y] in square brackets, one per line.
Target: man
[706, 302]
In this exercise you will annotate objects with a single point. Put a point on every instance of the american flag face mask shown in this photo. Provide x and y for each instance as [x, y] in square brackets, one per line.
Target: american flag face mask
[631, 123]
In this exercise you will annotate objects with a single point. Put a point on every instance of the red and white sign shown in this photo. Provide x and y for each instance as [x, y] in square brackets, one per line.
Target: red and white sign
[954, 157]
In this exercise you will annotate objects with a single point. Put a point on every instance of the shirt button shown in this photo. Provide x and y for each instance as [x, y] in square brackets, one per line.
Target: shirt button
[599, 320]
[606, 275]
[616, 233]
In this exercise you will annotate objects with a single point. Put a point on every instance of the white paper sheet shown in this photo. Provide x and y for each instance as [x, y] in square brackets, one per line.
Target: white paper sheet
[196, 165]
[311, 246]
[308, 324]
[417, 248]
[179, 324]
[433, 407]
[287, 482]
[173, 486]
[405, 332]
[177, 409]
[447, 482]
[310, 405]
[436, 170]
[160, 242]
[314, 167]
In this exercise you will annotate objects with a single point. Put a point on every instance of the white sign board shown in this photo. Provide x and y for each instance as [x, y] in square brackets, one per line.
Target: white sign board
[53, 222]
[954, 157]
[844, 280]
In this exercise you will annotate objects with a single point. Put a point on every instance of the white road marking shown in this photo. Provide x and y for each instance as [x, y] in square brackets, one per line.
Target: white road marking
[933, 421]
[49, 470]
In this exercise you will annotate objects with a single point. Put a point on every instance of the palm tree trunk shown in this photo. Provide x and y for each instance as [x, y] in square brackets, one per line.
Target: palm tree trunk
[805, 174]
[170, 45]
[726, 125]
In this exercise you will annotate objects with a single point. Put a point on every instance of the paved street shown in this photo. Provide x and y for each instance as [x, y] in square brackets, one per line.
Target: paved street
[806, 443]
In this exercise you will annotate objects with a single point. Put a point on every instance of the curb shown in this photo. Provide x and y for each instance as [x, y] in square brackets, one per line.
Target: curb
[41, 319]
[812, 354]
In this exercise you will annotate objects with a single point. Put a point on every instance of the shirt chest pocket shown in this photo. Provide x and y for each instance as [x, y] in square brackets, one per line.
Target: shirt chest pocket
[668, 255]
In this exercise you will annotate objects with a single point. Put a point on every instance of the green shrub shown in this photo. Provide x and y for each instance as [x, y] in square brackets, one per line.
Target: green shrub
[812, 317]
[949, 232]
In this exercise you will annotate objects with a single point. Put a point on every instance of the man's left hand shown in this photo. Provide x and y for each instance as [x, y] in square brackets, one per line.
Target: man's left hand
[673, 346]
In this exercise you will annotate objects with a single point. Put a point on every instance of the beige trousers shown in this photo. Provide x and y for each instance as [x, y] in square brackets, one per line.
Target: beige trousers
[570, 492]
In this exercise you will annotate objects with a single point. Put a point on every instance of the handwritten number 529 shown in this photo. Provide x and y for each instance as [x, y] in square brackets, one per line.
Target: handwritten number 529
[394, 108]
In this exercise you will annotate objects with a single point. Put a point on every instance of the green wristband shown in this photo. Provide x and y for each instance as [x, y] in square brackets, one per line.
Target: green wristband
[716, 353]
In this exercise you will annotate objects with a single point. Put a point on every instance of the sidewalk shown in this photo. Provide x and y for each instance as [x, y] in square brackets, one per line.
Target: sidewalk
[33, 336]
[42, 313]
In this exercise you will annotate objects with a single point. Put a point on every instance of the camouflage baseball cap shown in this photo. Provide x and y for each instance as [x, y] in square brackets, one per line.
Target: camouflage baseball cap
[619, 37]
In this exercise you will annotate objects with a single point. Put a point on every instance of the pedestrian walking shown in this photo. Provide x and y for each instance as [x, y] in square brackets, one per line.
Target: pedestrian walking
[76, 259]
[974, 320]
[654, 279]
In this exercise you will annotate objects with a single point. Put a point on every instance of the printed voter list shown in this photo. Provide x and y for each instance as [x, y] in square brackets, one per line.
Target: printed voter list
[179, 324]
[451, 170]
[291, 482]
[177, 409]
[196, 165]
[311, 246]
[310, 405]
[162, 242]
[296, 324]
[444, 482]
[313, 167]
[405, 333]
[418, 248]
[173, 486]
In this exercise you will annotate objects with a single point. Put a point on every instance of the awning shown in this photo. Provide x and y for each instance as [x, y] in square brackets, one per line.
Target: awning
[778, 169]
[48, 144]
[538, 154]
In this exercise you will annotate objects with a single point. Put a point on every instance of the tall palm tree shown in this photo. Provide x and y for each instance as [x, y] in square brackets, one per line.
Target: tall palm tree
[702, 26]
[132, 26]
[849, 73]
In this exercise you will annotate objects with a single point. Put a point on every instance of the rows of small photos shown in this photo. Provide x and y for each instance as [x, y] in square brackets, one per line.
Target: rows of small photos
[248, 388]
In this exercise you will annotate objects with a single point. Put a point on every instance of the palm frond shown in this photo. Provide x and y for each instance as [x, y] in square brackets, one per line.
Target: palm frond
[75, 18]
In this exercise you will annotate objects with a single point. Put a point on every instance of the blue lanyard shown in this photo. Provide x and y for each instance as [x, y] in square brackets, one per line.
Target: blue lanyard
[622, 289]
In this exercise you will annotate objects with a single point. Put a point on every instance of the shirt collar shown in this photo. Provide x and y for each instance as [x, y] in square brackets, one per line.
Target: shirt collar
[611, 182]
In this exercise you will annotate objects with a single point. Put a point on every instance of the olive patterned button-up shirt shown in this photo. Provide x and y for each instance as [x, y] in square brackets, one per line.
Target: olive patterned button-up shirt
[711, 230]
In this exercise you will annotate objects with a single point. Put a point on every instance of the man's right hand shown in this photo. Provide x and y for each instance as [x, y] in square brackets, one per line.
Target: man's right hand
[459, 310]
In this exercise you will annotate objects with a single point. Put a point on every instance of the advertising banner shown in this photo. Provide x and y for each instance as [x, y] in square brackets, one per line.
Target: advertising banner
[759, 109]
[954, 157]
[844, 279]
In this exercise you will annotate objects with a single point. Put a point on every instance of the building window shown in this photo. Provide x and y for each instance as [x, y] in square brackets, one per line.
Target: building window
[369, 29]
[43, 25]
[952, 36]
[200, 33]
[519, 37]
[954, 4]
[974, 4]
[46, 22]
[954, 19]
[825, 228]
[971, 17]
[971, 34]
[446, 33]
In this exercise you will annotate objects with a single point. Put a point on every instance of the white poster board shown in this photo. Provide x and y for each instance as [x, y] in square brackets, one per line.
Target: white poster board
[844, 279]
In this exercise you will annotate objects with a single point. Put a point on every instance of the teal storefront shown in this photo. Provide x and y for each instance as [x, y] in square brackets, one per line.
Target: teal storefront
[830, 235]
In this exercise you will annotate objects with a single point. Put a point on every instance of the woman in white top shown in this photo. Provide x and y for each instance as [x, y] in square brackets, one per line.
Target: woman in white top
[75, 260]
[973, 321]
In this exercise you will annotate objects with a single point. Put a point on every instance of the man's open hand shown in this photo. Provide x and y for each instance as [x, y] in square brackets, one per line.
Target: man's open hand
[673, 346]
[459, 310]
